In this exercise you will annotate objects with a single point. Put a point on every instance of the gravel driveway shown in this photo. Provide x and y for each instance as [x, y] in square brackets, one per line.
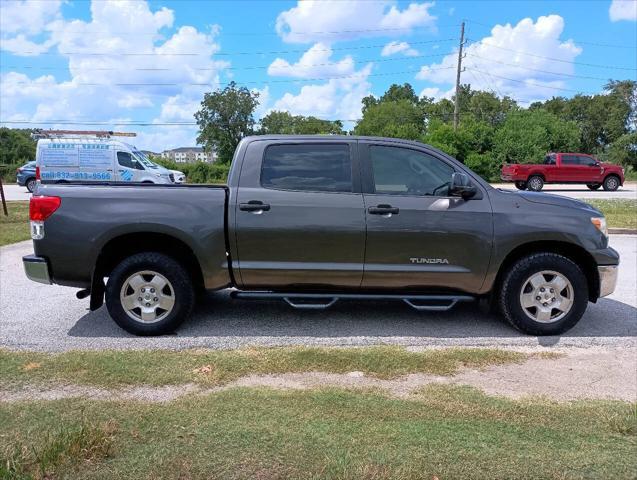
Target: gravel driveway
[42, 317]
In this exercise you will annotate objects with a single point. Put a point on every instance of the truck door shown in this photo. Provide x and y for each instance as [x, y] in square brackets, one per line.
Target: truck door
[568, 168]
[417, 235]
[589, 170]
[299, 216]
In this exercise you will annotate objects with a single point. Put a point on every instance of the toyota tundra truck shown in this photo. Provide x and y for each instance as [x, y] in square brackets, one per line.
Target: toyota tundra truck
[312, 220]
[571, 168]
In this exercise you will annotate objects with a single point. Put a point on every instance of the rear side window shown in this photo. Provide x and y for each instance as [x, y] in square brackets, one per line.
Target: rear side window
[316, 168]
[549, 160]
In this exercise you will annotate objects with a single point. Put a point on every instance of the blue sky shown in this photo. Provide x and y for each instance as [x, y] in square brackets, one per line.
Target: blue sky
[122, 65]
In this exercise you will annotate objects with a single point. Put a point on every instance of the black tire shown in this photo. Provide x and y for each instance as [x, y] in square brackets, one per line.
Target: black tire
[178, 278]
[517, 276]
[593, 186]
[611, 183]
[30, 184]
[520, 185]
[535, 183]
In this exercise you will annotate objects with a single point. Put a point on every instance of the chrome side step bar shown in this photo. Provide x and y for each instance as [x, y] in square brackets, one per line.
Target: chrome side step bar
[321, 301]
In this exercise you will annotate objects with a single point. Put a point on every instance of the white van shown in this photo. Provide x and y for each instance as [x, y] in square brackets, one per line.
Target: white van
[91, 158]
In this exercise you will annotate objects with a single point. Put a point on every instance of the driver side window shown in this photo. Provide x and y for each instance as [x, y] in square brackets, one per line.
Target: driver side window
[125, 159]
[401, 171]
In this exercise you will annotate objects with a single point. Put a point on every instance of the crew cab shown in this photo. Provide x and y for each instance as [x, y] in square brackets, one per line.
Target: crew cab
[316, 219]
[565, 168]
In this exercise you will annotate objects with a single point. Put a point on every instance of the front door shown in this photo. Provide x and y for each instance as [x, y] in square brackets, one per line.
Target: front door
[419, 237]
[300, 221]
[588, 170]
[128, 168]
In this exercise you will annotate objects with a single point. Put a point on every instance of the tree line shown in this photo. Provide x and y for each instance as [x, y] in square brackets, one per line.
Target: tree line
[493, 130]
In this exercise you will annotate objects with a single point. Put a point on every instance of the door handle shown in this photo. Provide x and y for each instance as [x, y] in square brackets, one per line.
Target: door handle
[383, 210]
[254, 206]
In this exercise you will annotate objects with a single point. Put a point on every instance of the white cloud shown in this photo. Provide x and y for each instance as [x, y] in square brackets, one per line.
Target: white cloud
[505, 54]
[313, 64]
[623, 10]
[436, 93]
[338, 99]
[167, 73]
[331, 20]
[23, 23]
[394, 47]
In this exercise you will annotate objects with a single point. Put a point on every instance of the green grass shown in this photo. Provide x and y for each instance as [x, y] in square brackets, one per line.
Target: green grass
[162, 367]
[15, 227]
[618, 213]
[447, 432]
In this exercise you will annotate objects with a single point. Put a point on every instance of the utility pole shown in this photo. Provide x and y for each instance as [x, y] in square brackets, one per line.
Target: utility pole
[456, 103]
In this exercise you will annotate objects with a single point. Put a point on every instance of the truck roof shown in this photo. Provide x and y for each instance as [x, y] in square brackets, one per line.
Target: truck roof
[328, 138]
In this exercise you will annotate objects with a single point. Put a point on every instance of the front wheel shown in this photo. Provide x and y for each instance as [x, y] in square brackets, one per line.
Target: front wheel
[149, 294]
[544, 294]
[611, 183]
[520, 185]
[535, 183]
[593, 186]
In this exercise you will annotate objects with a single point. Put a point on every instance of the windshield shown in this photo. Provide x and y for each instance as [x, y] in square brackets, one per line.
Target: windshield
[143, 159]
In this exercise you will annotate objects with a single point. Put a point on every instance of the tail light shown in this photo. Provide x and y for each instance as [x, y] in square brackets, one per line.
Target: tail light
[41, 208]
[37, 173]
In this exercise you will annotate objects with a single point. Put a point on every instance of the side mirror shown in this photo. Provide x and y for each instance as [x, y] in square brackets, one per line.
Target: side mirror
[461, 186]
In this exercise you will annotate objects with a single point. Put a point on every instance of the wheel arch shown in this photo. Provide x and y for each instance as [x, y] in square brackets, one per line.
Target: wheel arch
[613, 174]
[569, 250]
[123, 246]
[535, 174]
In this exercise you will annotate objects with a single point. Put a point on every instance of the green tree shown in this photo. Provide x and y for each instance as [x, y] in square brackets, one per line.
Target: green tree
[16, 146]
[226, 117]
[395, 118]
[286, 123]
[527, 135]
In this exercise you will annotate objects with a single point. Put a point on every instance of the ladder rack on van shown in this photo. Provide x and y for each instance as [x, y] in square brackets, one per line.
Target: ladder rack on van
[79, 134]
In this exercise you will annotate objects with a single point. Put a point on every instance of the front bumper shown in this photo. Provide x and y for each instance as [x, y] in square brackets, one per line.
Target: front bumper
[607, 279]
[37, 269]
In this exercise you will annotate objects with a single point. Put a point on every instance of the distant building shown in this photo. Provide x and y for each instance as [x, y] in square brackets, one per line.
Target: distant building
[188, 155]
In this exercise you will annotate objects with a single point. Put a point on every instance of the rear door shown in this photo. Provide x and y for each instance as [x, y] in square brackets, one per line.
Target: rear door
[418, 237]
[568, 168]
[300, 220]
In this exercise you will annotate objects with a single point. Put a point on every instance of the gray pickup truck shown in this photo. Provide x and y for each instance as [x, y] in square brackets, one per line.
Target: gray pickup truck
[314, 219]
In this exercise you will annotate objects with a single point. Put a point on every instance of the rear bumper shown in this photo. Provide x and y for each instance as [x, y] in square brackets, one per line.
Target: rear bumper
[506, 178]
[607, 279]
[36, 269]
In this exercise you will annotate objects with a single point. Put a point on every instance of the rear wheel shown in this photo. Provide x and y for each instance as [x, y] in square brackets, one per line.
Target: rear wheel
[535, 183]
[611, 183]
[149, 294]
[30, 184]
[593, 186]
[544, 294]
[520, 185]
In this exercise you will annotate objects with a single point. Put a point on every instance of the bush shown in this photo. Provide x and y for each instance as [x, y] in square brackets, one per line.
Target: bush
[199, 172]
[8, 172]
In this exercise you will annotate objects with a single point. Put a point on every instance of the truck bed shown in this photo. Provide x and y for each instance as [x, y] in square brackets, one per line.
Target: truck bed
[92, 215]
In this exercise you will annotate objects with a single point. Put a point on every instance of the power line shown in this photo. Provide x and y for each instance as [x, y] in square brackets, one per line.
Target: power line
[532, 84]
[255, 82]
[538, 70]
[614, 67]
[193, 54]
[595, 44]
[255, 67]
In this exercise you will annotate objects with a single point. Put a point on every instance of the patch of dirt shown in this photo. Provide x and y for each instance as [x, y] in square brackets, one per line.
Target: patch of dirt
[578, 374]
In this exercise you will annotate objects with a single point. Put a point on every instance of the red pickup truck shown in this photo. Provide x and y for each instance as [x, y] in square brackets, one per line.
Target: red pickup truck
[564, 168]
